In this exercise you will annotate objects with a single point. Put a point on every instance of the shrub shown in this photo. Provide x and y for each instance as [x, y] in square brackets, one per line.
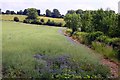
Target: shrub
[53, 23]
[27, 21]
[108, 40]
[107, 51]
[58, 24]
[48, 22]
[42, 20]
[35, 21]
[114, 42]
[31, 21]
[68, 31]
[102, 38]
[81, 36]
[93, 36]
[16, 19]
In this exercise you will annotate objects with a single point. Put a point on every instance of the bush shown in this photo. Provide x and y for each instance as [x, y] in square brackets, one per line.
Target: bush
[42, 20]
[107, 51]
[81, 36]
[92, 37]
[68, 31]
[31, 21]
[58, 24]
[114, 42]
[27, 21]
[53, 23]
[102, 38]
[35, 21]
[108, 40]
[49, 23]
[16, 19]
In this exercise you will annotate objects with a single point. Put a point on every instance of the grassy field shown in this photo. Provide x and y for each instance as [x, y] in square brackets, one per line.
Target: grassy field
[22, 17]
[41, 51]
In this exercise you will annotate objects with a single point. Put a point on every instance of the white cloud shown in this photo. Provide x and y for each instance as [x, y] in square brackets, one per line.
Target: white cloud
[62, 5]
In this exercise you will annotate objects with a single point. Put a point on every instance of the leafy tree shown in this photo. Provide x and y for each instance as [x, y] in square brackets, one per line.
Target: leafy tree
[73, 21]
[79, 11]
[25, 12]
[48, 13]
[12, 12]
[32, 13]
[98, 18]
[38, 11]
[20, 12]
[8, 12]
[114, 30]
[106, 22]
[87, 22]
[3, 13]
[70, 12]
[56, 13]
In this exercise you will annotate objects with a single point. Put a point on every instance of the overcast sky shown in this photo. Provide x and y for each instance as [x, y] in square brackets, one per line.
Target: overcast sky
[62, 5]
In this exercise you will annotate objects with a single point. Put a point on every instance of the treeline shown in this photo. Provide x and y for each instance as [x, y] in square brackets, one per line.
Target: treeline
[105, 21]
[54, 14]
[33, 18]
[99, 29]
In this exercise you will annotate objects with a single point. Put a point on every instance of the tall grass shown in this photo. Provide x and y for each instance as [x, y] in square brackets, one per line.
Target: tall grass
[107, 51]
[21, 42]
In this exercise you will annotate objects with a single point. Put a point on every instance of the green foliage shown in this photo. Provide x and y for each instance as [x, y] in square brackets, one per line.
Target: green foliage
[107, 51]
[110, 47]
[114, 42]
[56, 13]
[99, 20]
[32, 16]
[87, 38]
[70, 11]
[35, 21]
[108, 40]
[87, 25]
[53, 23]
[31, 21]
[114, 30]
[16, 19]
[73, 21]
[48, 13]
[42, 21]
[92, 37]
[79, 11]
[32, 13]
[106, 21]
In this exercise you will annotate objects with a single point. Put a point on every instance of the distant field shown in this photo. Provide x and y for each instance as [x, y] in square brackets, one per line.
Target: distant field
[11, 17]
[28, 49]
[22, 17]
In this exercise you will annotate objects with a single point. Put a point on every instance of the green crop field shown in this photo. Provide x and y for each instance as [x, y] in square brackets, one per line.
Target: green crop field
[22, 17]
[42, 51]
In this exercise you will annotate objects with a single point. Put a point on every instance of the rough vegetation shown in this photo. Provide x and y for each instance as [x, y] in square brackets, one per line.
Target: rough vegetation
[30, 50]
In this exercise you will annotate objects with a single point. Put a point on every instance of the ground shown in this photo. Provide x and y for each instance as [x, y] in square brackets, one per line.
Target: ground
[26, 47]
